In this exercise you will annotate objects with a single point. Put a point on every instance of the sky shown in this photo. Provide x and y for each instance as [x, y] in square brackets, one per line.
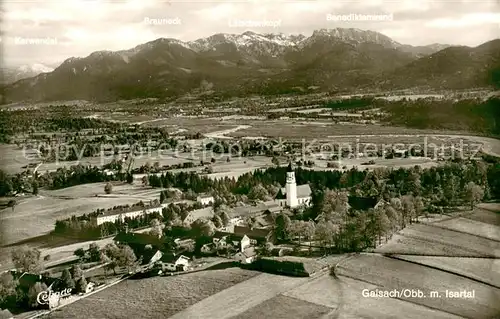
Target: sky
[59, 29]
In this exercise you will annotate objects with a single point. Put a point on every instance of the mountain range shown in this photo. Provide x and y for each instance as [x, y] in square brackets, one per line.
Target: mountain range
[252, 63]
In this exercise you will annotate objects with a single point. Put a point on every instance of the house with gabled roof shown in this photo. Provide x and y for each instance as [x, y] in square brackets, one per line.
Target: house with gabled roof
[174, 262]
[362, 203]
[246, 256]
[256, 235]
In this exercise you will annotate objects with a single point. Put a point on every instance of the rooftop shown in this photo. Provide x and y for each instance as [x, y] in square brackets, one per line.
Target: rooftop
[123, 210]
[362, 203]
[138, 239]
[201, 213]
[249, 252]
[253, 233]
[172, 257]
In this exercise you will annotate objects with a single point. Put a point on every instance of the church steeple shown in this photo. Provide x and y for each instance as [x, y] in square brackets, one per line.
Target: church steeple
[291, 187]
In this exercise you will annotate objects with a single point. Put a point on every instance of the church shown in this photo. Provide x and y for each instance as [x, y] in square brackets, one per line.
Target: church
[292, 195]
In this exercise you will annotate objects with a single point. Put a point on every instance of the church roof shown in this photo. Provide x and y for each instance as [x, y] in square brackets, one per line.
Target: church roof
[302, 191]
[289, 168]
[362, 203]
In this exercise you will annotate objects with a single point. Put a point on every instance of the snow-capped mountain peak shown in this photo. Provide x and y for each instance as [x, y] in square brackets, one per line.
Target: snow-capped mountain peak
[351, 35]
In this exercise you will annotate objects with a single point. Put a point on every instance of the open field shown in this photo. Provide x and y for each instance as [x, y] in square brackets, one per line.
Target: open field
[157, 297]
[487, 213]
[473, 227]
[481, 269]
[418, 239]
[400, 244]
[35, 216]
[344, 296]
[241, 297]
[396, 274]
[283, 307]
[13, 158]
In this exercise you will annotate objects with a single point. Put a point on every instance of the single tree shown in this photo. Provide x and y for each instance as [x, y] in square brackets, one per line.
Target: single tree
[76, 271]
[473, 194]
[108, 188]
[33, 293]
[80, 253]
[325, 232]
[81, 285]
[8, 287]
[130, 178]
[202, 227]
[94, 252]
[126, 258]
[156, 228]
[12, 203]
[282, 226]
[34, 187]
[225, 218]
[275, 161]
[67, 279]
[217, 220]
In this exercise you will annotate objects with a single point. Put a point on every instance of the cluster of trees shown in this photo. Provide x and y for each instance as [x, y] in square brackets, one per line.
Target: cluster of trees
[408, 193]
[350, 230]
[444, 185]
[12, 295]
[74, 279]
[92, 254]
[114, 256]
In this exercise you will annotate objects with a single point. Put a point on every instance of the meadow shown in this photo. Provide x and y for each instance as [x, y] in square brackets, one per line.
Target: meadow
[157, 297]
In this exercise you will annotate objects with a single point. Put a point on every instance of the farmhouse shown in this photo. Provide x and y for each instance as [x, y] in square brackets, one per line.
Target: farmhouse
[26, 280]
[193, 215]
[122, 213]
[246, 256]
[174, 262]
[205, 199]
[292, 195]
[256, 235]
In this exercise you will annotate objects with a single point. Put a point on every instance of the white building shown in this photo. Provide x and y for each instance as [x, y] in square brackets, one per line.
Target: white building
[292, 195]
[205, 200]
[113, 216]
[246, 256]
